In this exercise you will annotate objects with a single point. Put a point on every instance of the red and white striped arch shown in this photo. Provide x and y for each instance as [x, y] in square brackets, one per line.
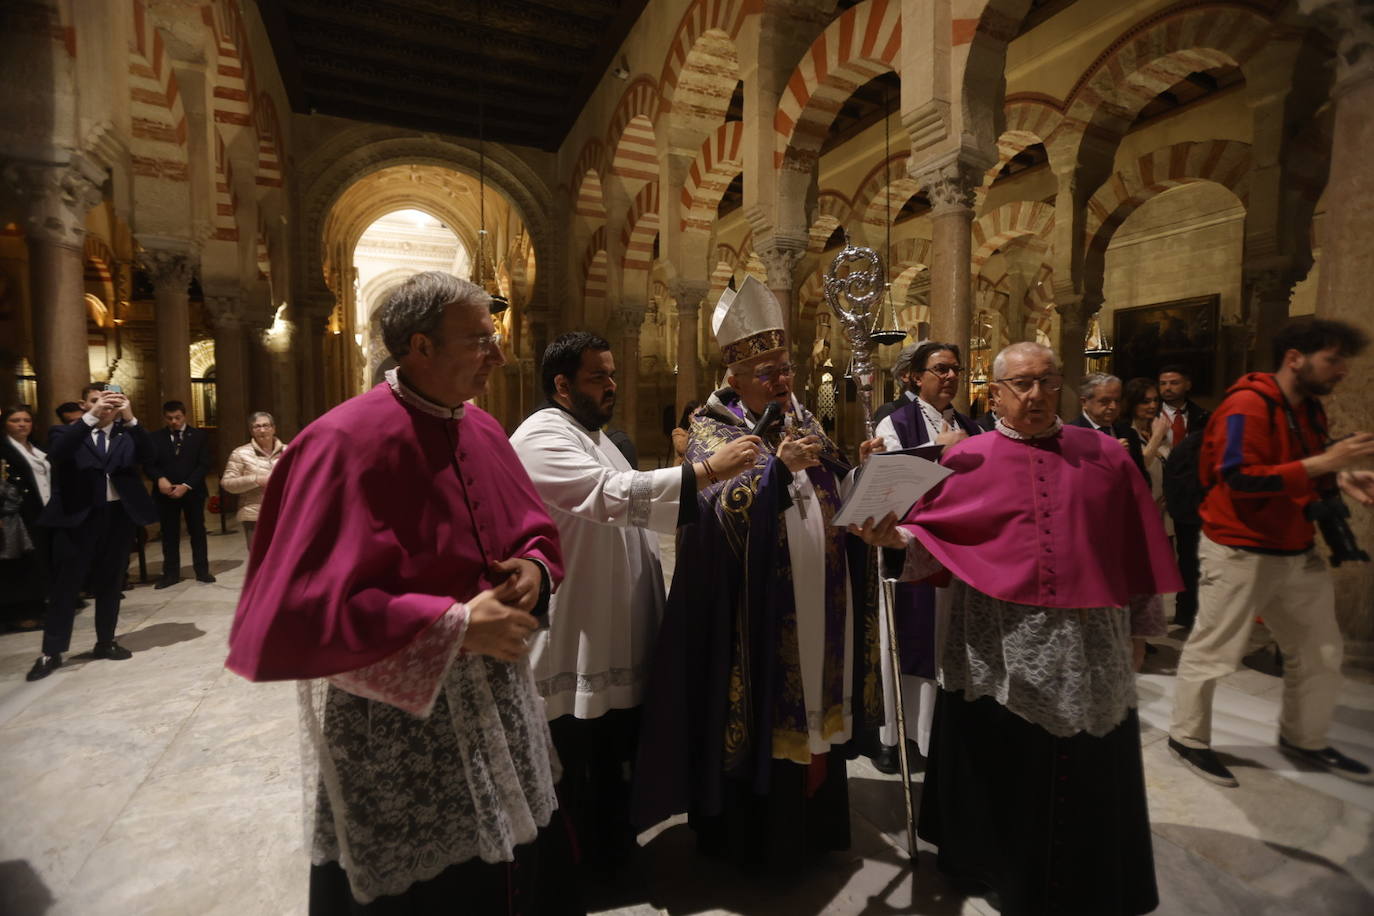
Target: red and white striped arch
[158, 142]
[595, 274]
[723, 16]
[1155, 55]
[224, 224]
[641, 226]
[859, 45]
[631, 135]
[1012, 220]
[882, 194]
[269, 143]
[589, 199]
[716, 165]
[1031, 119]
[832, 211]
[1225, 162]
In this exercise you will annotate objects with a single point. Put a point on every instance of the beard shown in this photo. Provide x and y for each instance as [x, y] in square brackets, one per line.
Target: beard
[589, 412]
[1310, 385]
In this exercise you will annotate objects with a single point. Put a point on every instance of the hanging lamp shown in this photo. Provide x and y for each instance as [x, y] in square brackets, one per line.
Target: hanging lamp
[486, 268]
[1095, 343]
[887, 314]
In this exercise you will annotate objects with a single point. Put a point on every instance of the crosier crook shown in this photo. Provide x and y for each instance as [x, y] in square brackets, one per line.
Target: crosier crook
[862, 284]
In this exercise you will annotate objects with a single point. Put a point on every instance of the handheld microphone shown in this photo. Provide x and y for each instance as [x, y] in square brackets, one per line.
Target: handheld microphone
[768, 419]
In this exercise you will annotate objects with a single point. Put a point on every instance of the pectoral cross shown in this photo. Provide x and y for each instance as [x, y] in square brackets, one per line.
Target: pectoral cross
[798, 500]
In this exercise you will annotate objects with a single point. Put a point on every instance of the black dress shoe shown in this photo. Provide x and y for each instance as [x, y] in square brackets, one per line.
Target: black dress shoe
[886, 760]
[204, 577]
[111, 650]
[166, 583]
[44, 666]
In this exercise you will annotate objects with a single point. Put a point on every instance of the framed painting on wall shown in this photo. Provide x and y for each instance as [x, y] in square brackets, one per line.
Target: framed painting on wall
[1183, 331]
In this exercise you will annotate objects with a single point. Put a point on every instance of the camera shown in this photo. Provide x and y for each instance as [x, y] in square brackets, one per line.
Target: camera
[1330, 512]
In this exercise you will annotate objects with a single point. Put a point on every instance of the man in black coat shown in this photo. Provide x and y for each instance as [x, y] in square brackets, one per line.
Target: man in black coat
[97, 499]
[1099, 397]
[181, 459]
[1182, 489]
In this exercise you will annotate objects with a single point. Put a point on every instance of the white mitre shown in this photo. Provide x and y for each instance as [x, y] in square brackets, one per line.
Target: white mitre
[747, 322]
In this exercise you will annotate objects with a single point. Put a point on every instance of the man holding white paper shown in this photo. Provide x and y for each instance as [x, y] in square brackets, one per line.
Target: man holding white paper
[933, 374]
[1035, 785]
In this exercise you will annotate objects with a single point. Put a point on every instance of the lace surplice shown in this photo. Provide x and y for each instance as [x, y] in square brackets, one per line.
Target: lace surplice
[398, 798]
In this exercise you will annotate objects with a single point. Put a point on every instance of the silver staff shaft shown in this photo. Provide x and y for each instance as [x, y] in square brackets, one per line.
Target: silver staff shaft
[856, 276]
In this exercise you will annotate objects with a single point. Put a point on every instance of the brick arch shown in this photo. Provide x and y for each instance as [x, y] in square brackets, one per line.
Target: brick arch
[641, 225]
[634, 153]
[1223, 162]
[706, 83]
[1039, 299]
[725, 262]
[716, 165]
[859, 45]
[588, 199]
[224, 220]
[702, 16]
[234, 85]
[811, 295]
[909, 252]
[832, 211]
[1153, 55]
[592, 158]
[595, 277]
[270, 164]
[1012, 220]
[1031, 118]
[885, 189]
[158, 141]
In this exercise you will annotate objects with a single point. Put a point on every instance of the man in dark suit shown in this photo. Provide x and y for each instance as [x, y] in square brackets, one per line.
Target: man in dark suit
[1182, 490]
[1099, 397]
[97, 499]
[181, 459]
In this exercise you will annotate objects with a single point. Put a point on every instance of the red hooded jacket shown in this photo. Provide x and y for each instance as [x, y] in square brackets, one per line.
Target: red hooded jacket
[1253, 465]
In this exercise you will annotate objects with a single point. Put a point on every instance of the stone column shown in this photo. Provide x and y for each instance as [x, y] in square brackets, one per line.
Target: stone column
[1268, 294]
[1347, 262]
[224, 311]
[780, 255]
[58, 197]
[950, 188]
[170, 264]
[689, 295]
[627, 375]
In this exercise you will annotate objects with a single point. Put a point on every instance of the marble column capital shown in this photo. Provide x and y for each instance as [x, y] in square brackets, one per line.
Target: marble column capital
[58, 195]
[168, 262]
[631, 317]
[1270, 284]
[950, 185]
[689, 294]
[224, 310]
[780, 255]
[1350, 24]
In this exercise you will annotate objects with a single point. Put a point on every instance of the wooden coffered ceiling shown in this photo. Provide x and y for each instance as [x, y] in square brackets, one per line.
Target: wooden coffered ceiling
[426, 64]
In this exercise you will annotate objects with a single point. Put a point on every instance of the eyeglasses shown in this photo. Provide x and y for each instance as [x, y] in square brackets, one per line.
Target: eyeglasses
[946, 371]
[1022, 384]
[485, 343]
[768, 375]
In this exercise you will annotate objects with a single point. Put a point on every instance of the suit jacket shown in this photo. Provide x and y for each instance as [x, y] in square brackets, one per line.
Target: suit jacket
[79, 469]
[21, 475]
[189, 467]
[1119, 431]
[1195, 415]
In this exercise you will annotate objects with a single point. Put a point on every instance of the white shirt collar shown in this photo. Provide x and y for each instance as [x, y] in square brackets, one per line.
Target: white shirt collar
[420, 402]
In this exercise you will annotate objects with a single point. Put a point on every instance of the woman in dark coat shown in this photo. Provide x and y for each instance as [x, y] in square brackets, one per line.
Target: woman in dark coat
[24, 557]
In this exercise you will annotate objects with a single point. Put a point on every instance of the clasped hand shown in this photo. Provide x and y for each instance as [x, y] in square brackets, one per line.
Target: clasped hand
[499, 619]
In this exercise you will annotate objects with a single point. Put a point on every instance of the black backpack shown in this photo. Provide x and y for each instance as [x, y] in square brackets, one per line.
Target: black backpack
[1183, 489]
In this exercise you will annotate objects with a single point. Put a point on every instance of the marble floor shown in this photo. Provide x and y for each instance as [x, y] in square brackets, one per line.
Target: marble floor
[164, 785]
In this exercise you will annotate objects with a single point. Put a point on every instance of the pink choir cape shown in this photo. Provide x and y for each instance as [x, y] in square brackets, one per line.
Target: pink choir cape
[375, 521]
[1065, 521]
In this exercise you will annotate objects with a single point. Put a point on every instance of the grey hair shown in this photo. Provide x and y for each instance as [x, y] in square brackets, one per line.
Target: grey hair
[1094, 380]
[417, 307]
[1023, 348]
[253, 418]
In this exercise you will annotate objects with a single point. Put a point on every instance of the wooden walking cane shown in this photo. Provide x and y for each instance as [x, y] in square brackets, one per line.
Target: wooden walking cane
[856, 277]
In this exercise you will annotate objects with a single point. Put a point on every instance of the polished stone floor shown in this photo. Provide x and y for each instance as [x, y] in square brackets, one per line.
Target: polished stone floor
[166, 785]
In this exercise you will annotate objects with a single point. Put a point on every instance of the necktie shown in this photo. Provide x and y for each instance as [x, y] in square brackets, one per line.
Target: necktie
[176, 442]
[100, 440]
[1180, 428]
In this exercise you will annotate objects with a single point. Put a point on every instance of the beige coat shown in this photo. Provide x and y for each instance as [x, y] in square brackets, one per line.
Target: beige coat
[246, 474]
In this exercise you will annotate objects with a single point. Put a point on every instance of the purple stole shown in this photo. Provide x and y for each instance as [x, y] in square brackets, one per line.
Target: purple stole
[915, 609]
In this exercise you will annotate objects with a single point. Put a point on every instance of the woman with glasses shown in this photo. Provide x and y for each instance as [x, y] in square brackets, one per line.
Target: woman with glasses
[250, 466]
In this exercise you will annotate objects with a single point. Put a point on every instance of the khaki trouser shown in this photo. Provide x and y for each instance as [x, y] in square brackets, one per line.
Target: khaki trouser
[1295, 597]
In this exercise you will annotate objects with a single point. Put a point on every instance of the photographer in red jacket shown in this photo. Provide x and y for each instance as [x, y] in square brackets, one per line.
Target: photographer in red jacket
[1271, 470]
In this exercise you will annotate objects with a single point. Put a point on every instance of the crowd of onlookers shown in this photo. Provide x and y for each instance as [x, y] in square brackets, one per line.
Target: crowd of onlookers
[72, 507]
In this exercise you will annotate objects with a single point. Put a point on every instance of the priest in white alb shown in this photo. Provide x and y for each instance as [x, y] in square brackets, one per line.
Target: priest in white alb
[590, 664]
